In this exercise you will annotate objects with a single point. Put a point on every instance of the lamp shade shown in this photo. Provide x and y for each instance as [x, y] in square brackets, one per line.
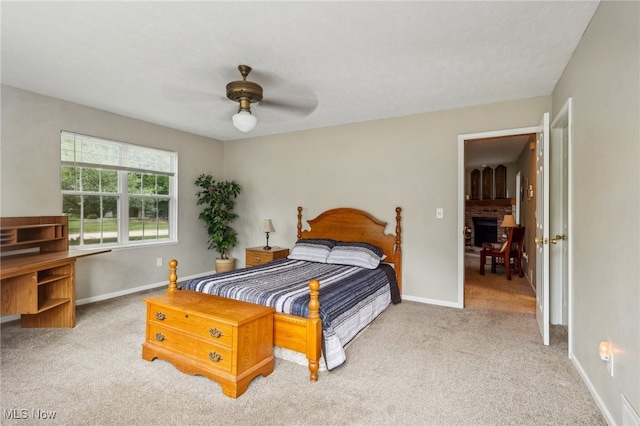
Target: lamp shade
[244, 121]
[508, 221]
[267, 226]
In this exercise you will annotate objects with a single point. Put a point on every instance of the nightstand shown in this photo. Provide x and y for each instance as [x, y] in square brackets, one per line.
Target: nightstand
[258, 255]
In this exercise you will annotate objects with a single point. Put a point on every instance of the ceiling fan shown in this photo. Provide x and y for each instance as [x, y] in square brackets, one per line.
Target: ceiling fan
[286, 99]
[245, 93]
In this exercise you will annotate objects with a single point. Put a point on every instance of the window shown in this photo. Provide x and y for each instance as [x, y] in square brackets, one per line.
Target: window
[117, 194]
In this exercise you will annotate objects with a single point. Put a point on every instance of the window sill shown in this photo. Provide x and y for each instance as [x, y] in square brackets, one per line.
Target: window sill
[127, 247]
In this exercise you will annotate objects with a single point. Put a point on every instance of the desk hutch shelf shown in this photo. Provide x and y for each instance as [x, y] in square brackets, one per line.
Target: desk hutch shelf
[37, 271]
[31, 235]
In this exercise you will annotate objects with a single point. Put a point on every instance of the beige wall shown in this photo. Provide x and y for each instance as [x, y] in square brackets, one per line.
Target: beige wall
[602, 79]
[409, 162]
[30, 184]
[527, 166]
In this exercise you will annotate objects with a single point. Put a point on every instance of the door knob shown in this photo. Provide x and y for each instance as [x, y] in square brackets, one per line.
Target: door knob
[547, 240]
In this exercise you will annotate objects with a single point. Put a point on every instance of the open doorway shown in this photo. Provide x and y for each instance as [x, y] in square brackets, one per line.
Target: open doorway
[499, 182]
[554, 237]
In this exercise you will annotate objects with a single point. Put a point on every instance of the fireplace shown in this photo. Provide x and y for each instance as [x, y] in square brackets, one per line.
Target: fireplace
[485, 230]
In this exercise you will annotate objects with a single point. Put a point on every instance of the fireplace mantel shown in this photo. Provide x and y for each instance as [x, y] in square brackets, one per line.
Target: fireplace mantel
[497, 202]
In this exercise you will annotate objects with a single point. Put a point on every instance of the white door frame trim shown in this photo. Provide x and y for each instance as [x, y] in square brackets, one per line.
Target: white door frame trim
[461, 193]
[562, 118]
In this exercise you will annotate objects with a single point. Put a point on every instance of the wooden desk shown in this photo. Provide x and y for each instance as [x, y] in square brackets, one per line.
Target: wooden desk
[39, 284]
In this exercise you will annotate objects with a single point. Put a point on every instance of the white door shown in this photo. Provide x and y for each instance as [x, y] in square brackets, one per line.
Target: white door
[542, 229]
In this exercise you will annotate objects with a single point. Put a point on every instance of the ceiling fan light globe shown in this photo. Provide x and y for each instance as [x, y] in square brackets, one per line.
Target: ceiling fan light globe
[244, 121]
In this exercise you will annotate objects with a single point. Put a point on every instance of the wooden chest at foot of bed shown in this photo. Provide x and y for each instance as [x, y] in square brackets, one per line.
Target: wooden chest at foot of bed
[225, 340]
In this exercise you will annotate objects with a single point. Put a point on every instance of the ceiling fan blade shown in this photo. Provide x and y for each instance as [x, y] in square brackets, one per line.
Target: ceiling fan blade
[282, 95]
[301, 108]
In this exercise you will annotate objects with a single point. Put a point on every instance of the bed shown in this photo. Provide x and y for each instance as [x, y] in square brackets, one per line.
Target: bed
[307, 320]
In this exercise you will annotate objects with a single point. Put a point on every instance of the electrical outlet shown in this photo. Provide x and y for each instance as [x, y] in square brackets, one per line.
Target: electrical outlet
[439, 213]
[159, 262]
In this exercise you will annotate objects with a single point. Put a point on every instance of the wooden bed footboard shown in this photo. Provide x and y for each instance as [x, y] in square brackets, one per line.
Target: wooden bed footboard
[289, 331]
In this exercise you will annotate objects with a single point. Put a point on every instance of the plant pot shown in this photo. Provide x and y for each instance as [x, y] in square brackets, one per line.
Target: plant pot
[224, 265]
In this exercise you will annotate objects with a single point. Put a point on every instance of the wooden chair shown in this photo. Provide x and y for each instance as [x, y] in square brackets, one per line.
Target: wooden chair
[504, 254]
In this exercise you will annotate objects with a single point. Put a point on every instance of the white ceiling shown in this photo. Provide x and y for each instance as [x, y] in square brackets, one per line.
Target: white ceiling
[322, 63]
[493, 151]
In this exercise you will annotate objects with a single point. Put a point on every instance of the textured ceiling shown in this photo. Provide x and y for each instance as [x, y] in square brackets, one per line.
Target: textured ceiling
[320, 63]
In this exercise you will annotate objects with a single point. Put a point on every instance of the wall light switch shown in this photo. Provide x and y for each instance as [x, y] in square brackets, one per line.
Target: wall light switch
[439, 213]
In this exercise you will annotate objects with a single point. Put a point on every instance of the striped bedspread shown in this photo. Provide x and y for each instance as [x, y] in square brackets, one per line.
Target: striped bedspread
[350, 297]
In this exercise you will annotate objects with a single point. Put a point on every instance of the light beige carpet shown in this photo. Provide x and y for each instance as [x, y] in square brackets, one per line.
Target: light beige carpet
[417, 364]
[493, 290]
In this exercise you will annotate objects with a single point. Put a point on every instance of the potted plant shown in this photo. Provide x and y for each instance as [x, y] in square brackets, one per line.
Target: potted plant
[219, 201]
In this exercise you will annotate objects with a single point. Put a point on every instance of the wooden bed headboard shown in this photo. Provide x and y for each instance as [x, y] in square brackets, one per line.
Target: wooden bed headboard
[353, 225]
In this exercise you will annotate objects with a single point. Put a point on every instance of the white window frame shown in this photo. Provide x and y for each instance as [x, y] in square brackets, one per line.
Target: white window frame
[124, 163]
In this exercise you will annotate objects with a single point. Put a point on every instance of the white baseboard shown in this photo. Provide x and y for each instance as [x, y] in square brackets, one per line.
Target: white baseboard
[115, 294]
[596, 396]
[431, 301]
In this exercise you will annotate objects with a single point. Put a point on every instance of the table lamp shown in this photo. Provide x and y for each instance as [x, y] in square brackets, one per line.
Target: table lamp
[509, 222]
[267, 227]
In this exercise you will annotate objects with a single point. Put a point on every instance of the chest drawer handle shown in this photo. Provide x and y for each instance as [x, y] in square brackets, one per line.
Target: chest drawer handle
[159, 337]
[257, 259]
[215, 332]
[161, 316]
[215, 356]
